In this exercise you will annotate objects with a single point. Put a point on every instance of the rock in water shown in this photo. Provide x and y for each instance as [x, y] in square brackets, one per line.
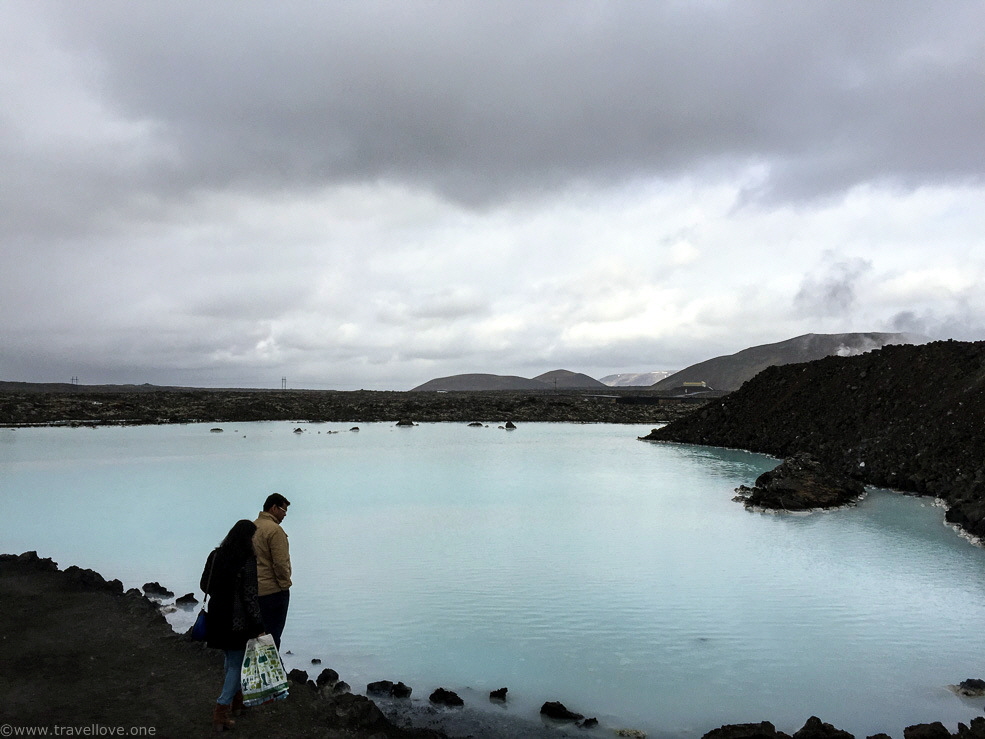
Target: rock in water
[559, 712]
[801, 483]
[936, 730]
[188, 600]
[972, 687]
[327, 676]
[380, 687]
[446, 698]
[387, 688]
[156, 590]
[817, 729]
[762, 730]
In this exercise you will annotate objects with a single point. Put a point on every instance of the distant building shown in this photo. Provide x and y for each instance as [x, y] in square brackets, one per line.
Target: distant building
[695, 387]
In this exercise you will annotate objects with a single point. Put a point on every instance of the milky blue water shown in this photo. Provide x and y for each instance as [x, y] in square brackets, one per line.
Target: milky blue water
[565, 562]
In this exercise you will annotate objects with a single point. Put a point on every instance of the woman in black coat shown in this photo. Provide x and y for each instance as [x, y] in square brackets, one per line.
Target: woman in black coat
[230, 579]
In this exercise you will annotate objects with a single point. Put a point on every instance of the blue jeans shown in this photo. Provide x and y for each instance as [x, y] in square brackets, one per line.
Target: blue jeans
[231, 686]
[273, 608]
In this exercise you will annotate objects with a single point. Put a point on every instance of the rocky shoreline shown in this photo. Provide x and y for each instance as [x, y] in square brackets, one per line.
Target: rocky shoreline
[37, 406]
[80, 652]
[907, 418]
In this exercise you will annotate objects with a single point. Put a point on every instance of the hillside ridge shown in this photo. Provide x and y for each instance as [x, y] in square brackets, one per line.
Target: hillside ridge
[727, 373]
[479, 382]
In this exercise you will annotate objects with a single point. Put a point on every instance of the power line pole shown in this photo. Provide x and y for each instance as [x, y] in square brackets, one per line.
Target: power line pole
[283, 383]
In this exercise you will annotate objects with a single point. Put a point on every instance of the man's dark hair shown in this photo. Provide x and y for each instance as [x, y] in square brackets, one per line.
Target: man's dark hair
[275, 499]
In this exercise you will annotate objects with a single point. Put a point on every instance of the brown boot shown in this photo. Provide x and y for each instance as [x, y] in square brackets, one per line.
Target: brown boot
[237, 706]
[220, 718]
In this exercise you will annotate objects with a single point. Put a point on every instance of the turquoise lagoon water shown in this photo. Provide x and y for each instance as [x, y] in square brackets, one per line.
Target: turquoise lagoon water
[565, 562]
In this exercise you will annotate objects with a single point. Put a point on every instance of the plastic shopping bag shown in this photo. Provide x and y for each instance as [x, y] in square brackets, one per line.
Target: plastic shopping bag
[263, 676]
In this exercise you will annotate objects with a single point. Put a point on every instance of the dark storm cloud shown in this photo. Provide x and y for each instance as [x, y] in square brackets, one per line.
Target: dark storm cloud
[477, 100]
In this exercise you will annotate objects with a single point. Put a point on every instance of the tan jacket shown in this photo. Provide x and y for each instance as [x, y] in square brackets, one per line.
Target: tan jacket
[273, 556]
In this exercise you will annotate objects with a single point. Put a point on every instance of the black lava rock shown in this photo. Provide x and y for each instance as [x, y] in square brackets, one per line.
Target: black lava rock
[188, 600]
[298, 676]
[557, 711]
[327, 676]
[156, 590]
[936, 730]
[380, 687]
[817, 729]
[762, 730]
[444, 697]
[801, 483]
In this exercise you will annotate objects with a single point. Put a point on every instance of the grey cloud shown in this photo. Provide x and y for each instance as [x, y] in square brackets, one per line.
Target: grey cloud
[962, 323]
[833, 292]
[445, 305]
[251, 298]
[169, 176]
[481, 100]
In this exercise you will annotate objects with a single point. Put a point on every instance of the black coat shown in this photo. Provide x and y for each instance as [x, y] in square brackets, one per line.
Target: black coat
[234, 611]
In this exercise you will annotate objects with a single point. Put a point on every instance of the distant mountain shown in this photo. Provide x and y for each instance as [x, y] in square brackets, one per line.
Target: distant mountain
[565, 379]
[634, 379]
[475, 382]
[727, 373]
[483, 382]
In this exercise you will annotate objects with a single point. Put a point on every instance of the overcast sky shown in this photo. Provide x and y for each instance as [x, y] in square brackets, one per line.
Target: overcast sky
[373, 194]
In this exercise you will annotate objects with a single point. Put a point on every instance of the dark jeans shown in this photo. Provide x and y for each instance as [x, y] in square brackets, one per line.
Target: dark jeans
[273, 608]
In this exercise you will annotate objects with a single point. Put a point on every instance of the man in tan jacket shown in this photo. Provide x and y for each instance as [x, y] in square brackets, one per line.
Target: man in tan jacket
[273, 565]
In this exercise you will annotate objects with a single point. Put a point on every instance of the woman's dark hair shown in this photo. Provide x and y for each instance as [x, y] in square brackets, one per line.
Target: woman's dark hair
[238, 544]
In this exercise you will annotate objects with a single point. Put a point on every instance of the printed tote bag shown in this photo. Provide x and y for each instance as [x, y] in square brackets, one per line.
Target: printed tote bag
[262, 676]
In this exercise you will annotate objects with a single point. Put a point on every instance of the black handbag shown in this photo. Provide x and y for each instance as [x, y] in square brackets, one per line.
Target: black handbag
[200, 631]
